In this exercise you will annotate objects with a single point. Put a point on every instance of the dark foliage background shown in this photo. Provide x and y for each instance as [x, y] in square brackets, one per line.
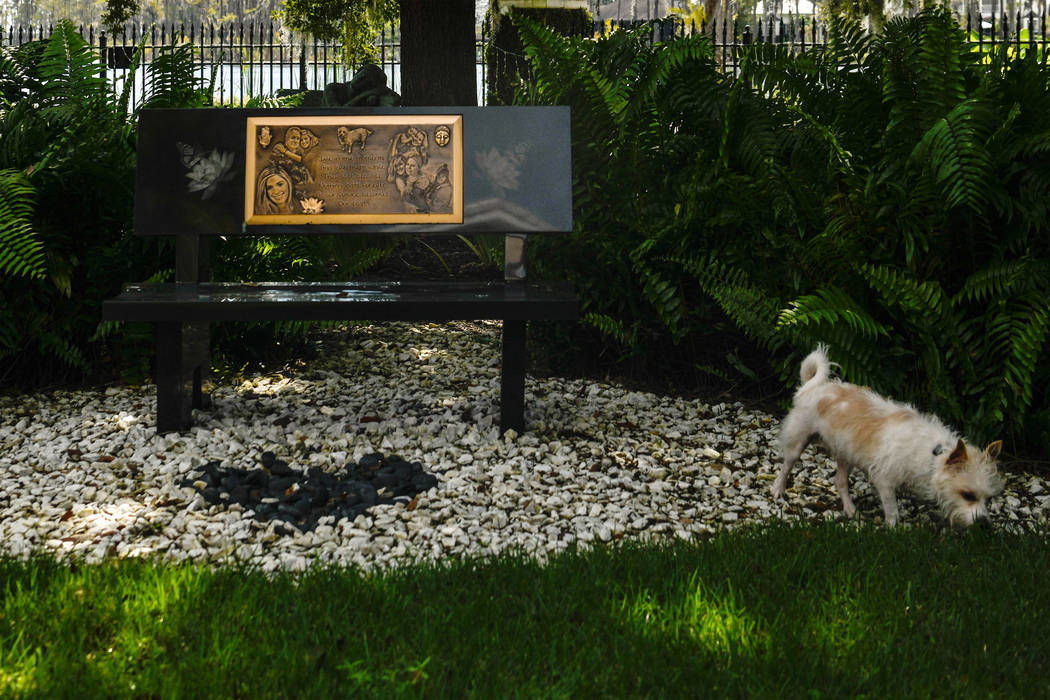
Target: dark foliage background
[884, 195]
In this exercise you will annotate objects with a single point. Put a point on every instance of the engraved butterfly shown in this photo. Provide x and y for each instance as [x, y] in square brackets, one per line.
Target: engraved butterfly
[205, 172]
[188, 154]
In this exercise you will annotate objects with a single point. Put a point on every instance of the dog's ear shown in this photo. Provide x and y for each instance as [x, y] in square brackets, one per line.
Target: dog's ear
[958, 456]
[994, 449]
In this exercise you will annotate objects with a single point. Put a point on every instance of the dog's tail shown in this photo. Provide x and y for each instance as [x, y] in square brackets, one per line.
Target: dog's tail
[816, 368]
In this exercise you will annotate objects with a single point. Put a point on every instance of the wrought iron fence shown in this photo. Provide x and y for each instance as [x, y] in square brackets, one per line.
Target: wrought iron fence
[241, 61]
[247, 60]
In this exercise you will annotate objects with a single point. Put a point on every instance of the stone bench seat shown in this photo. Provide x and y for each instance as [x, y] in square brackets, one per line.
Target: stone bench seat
[348, 301]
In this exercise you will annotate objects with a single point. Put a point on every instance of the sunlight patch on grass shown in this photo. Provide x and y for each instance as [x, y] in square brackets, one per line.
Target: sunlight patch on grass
[696, 616]
[18, 667]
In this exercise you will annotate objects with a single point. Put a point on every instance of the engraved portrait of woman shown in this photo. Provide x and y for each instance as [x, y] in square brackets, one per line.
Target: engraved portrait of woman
[411, 143]
[274, 191]
[415, 185]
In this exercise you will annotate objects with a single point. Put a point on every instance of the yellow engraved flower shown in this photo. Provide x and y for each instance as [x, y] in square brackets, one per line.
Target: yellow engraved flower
[312, 205]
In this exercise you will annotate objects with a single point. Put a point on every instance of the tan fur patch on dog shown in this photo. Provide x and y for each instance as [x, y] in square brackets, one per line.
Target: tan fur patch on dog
[848, 409]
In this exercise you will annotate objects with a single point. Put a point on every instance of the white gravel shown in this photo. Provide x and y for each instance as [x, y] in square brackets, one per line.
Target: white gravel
[83, 473]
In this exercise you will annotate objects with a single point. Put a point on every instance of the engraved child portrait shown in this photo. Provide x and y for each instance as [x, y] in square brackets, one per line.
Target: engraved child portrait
[412, 142]
[265, 136]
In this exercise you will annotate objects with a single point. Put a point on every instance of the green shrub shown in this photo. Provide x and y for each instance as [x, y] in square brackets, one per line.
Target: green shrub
[885, 195]
[67, 158]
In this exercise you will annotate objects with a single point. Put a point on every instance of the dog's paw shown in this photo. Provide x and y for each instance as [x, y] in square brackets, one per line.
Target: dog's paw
[779, 489]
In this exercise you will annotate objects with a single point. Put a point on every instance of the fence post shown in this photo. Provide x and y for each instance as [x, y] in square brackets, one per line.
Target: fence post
[746, 39]
[102, 54]
[302, 66]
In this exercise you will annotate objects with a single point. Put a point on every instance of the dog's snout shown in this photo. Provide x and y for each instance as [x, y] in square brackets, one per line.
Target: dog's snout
[982, 522]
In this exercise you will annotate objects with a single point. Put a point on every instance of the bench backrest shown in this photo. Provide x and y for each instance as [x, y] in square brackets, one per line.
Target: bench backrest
[383, 170]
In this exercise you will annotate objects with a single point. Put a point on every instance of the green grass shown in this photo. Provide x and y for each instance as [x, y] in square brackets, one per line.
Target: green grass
[821, 610]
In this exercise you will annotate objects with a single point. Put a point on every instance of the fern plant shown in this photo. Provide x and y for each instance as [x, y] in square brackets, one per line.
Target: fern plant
[929, 219]
[67, 147]
[886, 195]
[648, 130]
[21, 252]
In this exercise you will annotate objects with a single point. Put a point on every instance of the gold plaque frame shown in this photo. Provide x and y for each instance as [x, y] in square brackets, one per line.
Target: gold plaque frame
[354, 169]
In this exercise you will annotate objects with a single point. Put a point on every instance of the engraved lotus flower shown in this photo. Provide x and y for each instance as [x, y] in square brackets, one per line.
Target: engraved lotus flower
[501, 168]
[312, 205]
[206, 173]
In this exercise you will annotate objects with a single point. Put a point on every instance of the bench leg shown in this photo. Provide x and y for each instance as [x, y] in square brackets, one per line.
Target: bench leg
[512, 385]
[182, 363]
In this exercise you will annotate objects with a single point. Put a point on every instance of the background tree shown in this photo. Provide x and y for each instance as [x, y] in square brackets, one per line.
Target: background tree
[353, 23]
[438, 52]
[117, 13]
[871, 11]
[437, 41]
[507, 67]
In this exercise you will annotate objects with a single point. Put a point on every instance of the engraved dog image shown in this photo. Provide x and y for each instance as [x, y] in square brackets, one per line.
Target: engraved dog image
[348, 137]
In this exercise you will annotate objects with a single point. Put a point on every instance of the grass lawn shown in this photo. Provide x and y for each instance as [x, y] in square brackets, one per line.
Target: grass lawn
[822, 610]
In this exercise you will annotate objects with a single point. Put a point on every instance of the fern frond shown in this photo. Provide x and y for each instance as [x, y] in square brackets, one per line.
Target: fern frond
[665, 296]
[1016, 334]
[301, 328]
[1005, 279]
[612, 327]
[831, 305]
[172, 80]
[69, 66]
[124, 100]
[61, 348]
[21, 251]
[952, 151]
[924, 77]
[750, 307]
[899, 290]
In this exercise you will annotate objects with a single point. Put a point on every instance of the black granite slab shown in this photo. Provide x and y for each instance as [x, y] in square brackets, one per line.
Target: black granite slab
[401, 301]
[516, 161]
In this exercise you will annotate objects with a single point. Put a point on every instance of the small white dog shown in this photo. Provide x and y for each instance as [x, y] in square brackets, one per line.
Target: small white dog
[895, 444]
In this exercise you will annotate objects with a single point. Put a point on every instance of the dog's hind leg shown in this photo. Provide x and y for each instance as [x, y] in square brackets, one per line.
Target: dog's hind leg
[842, 485]
[793, 440]
[795, 435]
[780, 485]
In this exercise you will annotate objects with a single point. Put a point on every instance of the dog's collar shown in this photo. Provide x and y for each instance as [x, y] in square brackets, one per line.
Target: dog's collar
[938, 450]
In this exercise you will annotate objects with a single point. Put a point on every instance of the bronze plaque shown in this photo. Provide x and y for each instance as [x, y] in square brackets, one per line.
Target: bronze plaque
[378, 169]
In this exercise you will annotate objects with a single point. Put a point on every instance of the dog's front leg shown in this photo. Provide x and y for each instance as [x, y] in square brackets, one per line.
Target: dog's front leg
[842, 485]
[888, 496]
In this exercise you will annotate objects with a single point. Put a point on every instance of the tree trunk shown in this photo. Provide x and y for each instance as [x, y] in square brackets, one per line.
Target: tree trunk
[507, 66]
[437, 53]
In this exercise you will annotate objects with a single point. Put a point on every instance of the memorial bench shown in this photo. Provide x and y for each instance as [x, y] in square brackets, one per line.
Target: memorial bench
[380, 171]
